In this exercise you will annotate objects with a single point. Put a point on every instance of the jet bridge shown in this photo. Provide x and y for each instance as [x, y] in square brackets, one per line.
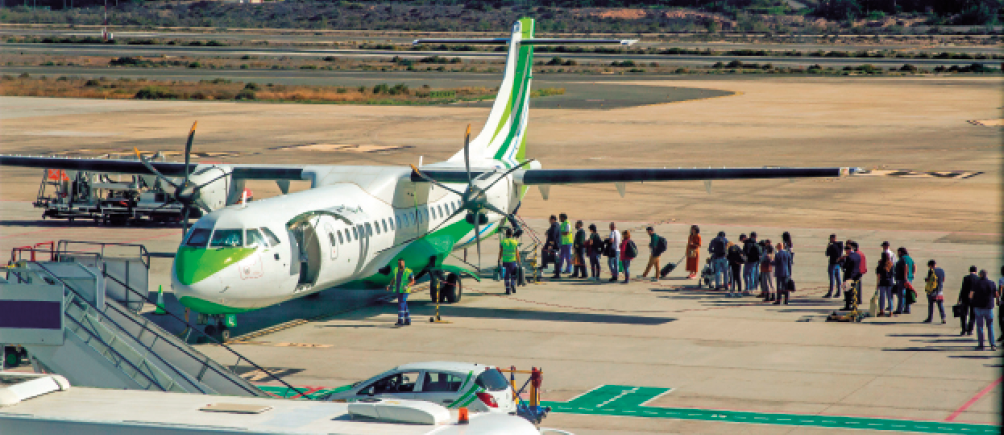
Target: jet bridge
[77, 316]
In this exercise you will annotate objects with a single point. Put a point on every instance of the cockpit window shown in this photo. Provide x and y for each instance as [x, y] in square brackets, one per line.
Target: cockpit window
[273, 241]
[198, 238]
[254, 237]
[226, 239]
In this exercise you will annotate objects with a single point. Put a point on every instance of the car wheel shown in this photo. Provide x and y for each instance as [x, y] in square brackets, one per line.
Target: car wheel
[453, 288]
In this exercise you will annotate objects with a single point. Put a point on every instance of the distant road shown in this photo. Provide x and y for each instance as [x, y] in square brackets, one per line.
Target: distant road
[666, 60]
[305, 38]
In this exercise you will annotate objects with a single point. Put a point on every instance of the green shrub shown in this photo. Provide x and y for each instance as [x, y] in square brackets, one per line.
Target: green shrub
[252, 86]
[245, 94]
[195, 65]
[154, 93]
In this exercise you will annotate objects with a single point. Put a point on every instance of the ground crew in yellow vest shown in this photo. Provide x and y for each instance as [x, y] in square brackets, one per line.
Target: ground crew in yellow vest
[566, 238]
[401, 281]
[509, 256]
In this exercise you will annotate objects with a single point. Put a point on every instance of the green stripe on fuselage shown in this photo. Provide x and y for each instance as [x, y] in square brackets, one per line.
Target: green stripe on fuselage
[192, 264]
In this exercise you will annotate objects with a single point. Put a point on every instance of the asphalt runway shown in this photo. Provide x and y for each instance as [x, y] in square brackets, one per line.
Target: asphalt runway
[302, 37]
[664, 60]
[644, 357]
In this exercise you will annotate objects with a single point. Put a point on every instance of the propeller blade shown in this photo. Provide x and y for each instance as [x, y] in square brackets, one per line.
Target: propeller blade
[184, 221]
[146, 163]
[477, 237]
[506, 174]
[451, 216]
[494, 209]
[430, 180]
[188, 149]
[467, 153]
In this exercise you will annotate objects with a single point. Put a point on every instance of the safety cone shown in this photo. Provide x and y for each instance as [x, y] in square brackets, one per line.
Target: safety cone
[160, 301]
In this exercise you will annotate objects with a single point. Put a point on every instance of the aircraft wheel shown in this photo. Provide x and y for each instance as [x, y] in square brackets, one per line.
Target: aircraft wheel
[453, 288]
[11, 358]
[210, 330]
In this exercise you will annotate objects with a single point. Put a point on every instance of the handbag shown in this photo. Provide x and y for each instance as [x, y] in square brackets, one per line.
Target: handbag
[958, 310]
[791, 285]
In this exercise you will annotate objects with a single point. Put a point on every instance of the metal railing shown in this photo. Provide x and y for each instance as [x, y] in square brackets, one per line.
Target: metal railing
[63, 245]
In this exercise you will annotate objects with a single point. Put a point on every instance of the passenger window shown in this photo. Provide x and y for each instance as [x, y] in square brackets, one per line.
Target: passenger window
[355, 234]
[426, 213]
[340, 240]
[227, 239]
[377, 225]
[391, 222]
[254, 237]
[369, 230]
[440, 211]
[331, 238]
[418, 216]
[273, 241]
[384, 222]
[396, 383]
[198, 238]
[435, 382]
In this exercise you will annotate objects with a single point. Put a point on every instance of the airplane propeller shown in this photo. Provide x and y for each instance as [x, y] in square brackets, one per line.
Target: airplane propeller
[186, 193]
[474, 199]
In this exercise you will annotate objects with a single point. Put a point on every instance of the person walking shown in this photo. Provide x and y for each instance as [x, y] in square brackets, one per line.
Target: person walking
[579, 252]
[782, 270]
[852, 274]
[751, 249]
[935, 290]
[885, 278]
[736, 261]
[968, 317]
[628, 252]
[718, 248]
[693, 252]
[614, 252]
[766, 273]
[401, 281]
[565, 239]
[594, 246]
[834, 250]
[905, 270]
[509, 257]
[983, 298]
[551, 244]
[864, 270]
[657, 246]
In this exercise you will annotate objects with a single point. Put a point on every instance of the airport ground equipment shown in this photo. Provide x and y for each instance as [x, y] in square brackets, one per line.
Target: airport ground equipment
[529, 409]
[77, 316]
[106, 198]
[51, 405]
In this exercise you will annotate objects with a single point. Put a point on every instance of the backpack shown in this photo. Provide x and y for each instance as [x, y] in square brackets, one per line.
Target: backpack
[660, 246]
[608, 250]
[717, 247]
[753, 253]
[630, 250]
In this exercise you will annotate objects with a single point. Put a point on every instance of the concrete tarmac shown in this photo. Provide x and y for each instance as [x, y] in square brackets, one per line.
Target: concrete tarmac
[737, 364]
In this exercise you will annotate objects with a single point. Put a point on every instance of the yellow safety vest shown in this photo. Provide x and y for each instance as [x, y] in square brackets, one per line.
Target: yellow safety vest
[509, 247]
[566, 239]
[400, 287]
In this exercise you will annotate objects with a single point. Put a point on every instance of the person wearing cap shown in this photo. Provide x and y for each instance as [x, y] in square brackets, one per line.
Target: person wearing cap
[935, 290]
[984, 297]
[834, 252]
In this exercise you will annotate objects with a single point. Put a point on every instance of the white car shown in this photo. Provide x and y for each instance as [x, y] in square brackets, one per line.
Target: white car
[478, 387]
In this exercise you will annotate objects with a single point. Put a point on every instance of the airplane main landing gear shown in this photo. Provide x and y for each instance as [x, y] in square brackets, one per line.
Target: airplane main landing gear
[218, 323]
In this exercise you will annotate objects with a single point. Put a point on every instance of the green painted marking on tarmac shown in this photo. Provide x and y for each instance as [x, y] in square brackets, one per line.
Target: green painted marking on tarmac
[627, 401]
[286, 392]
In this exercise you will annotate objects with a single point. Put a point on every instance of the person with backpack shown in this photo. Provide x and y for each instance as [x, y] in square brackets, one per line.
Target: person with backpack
[693, 252]
[628, 252]
[852, 274]
[657, 246]
[752, 267]
[935, 289]
[579, 251]
[782, 269]
[718, 250]
[766, 272]
[594, 248]
[885, 278]
[613, 251]
[736, 261]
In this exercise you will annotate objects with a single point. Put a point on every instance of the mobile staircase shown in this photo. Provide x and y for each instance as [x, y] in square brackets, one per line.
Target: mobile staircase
[78, 315]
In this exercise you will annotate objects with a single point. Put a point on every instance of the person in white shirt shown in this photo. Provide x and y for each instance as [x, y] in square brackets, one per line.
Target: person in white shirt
[614, 239]
[885, 249]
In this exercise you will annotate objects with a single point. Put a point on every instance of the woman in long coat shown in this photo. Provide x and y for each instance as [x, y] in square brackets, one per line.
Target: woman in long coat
[693, 251]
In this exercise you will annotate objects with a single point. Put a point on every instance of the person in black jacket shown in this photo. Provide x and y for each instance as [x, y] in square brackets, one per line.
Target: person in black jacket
[736, 260]
[751, 270]
[852, 274]
[834, 251]
[594, 247]
[968, 317]
[982, 298]
[579, 249]
[551, 244]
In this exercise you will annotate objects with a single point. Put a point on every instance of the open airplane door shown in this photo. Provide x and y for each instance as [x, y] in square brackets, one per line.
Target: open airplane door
[305, 250]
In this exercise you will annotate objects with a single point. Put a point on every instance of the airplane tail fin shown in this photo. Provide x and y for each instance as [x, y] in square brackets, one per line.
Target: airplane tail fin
[503, 138]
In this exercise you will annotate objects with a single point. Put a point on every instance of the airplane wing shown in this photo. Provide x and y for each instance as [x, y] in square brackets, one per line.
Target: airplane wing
[585, 176]
[170, 169]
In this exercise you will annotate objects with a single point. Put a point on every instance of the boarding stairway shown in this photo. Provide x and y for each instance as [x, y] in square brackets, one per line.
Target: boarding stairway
[83, 323]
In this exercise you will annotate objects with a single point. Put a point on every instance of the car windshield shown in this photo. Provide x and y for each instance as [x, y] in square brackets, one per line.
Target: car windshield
[198, 238]
[492, 380]
[227, 239]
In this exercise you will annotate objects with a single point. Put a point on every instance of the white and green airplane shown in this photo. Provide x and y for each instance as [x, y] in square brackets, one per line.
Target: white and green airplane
[355, 221]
